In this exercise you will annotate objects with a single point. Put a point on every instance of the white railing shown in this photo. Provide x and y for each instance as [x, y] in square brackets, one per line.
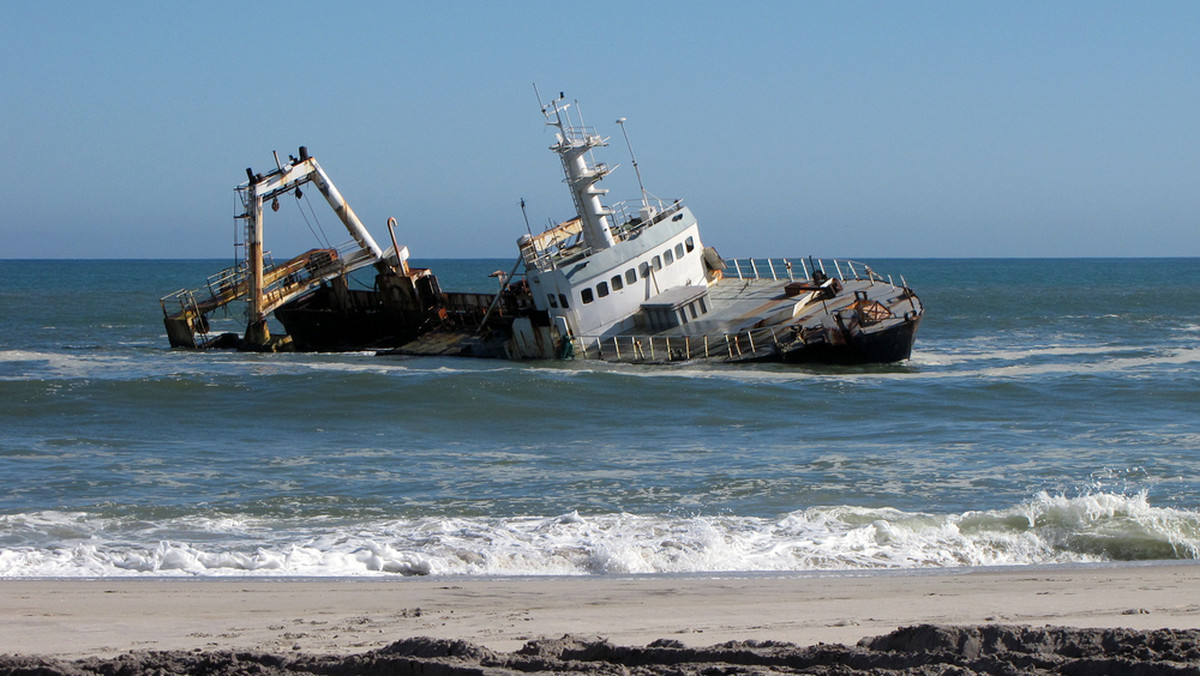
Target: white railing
[745, 345]
[624, 212]
[545, 260]
[623, 223]
[579, 134]
[791, 269]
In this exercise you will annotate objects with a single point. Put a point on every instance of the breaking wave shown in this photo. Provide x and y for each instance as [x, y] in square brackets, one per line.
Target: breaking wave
[1044, 530]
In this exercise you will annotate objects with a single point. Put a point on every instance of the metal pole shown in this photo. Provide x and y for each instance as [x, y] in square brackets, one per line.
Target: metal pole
[638, 172]
[402, 264]
[257, 332]
[495, 301]
[357, 230]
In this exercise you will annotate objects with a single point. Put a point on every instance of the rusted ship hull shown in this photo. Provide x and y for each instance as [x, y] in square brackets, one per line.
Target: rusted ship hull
[885, 346]
[315, 326]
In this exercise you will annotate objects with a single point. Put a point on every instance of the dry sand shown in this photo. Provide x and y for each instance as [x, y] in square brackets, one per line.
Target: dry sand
[103, 618]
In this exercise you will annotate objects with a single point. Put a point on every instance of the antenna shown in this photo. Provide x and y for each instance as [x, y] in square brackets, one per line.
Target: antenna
[645, 200]
[526, 215]
[539, 97]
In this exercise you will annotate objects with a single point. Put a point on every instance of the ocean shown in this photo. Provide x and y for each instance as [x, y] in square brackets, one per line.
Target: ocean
[1050, 414]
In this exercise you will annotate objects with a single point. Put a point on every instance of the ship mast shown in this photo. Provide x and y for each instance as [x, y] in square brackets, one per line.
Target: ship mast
[573, 144]
[638, 172]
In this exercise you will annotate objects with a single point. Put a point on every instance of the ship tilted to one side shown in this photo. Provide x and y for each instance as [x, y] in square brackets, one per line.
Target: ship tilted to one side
[630, 282]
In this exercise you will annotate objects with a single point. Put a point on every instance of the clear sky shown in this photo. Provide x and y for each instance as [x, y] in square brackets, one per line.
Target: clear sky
[859, 129]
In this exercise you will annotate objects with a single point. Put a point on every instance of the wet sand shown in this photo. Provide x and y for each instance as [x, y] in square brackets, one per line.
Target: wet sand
[102, 618]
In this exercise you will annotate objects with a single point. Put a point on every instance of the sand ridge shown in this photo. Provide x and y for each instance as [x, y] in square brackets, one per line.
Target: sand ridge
[921, 649]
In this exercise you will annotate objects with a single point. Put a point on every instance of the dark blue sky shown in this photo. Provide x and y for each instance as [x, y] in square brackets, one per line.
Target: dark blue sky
[861, 129]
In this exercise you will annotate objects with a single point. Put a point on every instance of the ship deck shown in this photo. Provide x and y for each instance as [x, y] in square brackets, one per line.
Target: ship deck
[746, 319]
[737, 305]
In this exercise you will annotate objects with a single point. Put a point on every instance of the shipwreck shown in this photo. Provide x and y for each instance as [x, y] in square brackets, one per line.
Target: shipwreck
[630, 281]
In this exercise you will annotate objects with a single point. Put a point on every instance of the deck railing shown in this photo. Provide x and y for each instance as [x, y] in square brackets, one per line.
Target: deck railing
[623, 222]
[283, 282]
[800, 269]
[745, 345]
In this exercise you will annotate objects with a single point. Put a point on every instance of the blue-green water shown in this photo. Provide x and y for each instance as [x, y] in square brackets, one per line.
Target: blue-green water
[1049, 414]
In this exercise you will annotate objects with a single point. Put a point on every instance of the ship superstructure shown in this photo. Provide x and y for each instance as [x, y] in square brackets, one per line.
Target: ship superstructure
[635, 282]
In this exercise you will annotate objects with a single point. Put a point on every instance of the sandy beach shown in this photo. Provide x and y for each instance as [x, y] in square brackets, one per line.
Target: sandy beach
[103, 618]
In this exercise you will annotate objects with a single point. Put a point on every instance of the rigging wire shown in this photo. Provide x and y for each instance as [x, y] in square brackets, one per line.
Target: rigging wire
[321, 239]
[351, 279]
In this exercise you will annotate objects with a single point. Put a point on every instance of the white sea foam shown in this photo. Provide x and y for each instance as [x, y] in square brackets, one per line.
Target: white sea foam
[1045, 529]
[982, 360]
[1136, 364]
[59, 364]
[1049, 360]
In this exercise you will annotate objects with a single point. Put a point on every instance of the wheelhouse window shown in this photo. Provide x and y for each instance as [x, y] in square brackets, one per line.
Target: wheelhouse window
[644, 268]
[667, 257]
[562, 298]
[679, 250]
[616, 282]
[690, 243]
[656, 263]
[631, 276]
[602, 289]
[553, 303]
[586, 296]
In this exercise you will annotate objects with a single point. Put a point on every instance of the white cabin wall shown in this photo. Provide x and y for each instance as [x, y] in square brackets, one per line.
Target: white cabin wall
[613, 313]
[554, 282]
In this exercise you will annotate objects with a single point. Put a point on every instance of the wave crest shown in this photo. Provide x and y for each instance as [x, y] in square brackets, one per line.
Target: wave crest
[1045, 529]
